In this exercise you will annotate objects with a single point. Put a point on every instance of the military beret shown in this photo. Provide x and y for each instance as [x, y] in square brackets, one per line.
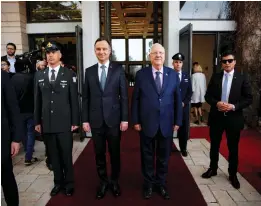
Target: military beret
[52, 46]
[178, 56]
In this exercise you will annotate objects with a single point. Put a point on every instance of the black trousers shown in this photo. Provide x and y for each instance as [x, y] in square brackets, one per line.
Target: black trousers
[162, 147]
[113, 136]
[47, 153]
[183, 130]
[60, 150]
[233, 136]
[8, 182]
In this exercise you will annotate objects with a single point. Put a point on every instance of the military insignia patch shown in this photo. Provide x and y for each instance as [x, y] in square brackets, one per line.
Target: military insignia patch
[74, 79]
[49, 44]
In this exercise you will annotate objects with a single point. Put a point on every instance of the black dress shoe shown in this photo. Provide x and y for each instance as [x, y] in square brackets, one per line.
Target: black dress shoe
[147, 192]
[209, 173]
[163, 192]
[234, 181]
[101, 191]
[115, 188]
[55, 190]
[68, 191]
[184, 153]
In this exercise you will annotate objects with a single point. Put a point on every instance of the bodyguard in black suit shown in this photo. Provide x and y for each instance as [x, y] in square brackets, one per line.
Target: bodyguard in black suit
[105, 113]
[228, 93]
[56, 108]
[11, 135]
[186, 93]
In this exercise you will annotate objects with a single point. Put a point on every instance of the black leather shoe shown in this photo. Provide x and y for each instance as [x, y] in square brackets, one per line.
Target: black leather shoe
[209, 173]
[234, 181]
[101, 191]
[55, 190]
[184, 153]
[147, 193]
[115, 188]
[163, 192]
[68, 191]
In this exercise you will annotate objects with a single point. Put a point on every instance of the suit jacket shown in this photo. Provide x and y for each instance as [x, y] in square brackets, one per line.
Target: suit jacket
[24, 88]
[240, 95]
[185, 89]
[11, 122]
[110, 105]
[155, 110]
[56, 106]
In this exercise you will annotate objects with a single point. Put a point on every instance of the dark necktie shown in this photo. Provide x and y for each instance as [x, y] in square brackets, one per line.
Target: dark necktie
[52, 77]
[103, 77]
[158, 82]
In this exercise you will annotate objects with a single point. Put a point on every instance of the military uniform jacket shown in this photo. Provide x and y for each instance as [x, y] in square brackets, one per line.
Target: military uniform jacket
[56, 106]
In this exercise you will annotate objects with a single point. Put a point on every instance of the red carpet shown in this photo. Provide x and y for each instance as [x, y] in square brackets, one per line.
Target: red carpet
[181, 185]
[249, 153]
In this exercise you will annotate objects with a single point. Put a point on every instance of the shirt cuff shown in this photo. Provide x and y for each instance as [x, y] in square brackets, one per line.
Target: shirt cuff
[233, 107]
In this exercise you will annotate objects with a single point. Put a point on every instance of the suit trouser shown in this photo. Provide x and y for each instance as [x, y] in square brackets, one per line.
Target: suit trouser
[183, 130]
[8, 182]
[233, 136]
[60, 150]
[148, 146]
[99, 137]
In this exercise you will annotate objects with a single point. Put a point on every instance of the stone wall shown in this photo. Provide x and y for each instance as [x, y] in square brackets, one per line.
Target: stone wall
[13, 26]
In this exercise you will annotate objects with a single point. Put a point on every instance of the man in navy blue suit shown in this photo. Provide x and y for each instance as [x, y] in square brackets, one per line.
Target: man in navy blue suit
[156, 112]
[186, 93]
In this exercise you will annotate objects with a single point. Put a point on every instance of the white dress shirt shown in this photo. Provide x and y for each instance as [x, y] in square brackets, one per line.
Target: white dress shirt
[230, 78]
[100, 69]
[55, 73]
[160, 75]
[12, 61]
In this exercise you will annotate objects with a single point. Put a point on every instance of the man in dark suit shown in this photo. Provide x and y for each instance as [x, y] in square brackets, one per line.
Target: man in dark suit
[11, 135]
[57, 110]
[24, 87]
[186, 93]
[105, 113]
[228, 93]
[156, 112]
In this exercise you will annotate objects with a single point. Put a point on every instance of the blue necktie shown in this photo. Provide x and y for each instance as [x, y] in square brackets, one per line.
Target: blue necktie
[103, 77]
[224, 89]
[158, 82]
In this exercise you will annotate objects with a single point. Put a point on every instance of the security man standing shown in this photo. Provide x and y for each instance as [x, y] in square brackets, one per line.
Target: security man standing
[186, 93]
[57, 110]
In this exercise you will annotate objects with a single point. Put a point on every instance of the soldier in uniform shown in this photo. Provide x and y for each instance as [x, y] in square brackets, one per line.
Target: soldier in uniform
[186, 93]
[57, 110]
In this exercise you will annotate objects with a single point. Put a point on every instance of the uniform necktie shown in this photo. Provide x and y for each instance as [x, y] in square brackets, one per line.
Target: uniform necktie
[103, 77]
[224, 89]
[179, 76]
[52, 76]
[158, 82]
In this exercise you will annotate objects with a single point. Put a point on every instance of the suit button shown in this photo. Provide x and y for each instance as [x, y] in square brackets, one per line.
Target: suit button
[160, 100]
[51, 101]
[52, 92]
[51, 111]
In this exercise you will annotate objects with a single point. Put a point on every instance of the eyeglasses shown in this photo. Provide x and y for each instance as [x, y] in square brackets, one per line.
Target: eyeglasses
[224, 61]
[155, 53]
[2, 65]
[8, 48]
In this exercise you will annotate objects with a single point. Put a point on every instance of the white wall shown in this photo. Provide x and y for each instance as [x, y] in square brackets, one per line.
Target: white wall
[210, 25]
[91, 31]
[45, 28]
[170, 29]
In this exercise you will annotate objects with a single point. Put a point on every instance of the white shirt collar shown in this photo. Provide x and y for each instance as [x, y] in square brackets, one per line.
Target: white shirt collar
[155, 70]
[106, 64]
[55, 68]
[229, 73]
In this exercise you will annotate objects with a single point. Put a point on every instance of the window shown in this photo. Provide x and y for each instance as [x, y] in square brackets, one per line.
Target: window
[149, 43]
[204, 10]
[135, 50]
[132, 73]
[53, 11]
[118, 50]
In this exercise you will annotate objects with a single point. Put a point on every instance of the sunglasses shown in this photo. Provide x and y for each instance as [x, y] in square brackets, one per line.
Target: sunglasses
[224, 61]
